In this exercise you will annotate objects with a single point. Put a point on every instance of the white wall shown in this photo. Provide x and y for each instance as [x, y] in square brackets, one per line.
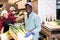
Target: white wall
[46, 8]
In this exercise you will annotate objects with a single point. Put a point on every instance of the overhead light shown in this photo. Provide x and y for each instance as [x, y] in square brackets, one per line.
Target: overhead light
[32, 0]
[59, 2]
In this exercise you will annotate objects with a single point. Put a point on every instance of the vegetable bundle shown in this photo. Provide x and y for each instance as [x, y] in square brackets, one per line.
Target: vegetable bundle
[18, 29]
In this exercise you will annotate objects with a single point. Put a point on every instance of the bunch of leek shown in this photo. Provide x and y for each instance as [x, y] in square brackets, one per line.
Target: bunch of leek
[17, 29]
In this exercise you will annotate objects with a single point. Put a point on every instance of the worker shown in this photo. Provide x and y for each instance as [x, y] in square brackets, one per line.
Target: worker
[11, 11]
[33, 22]
[6, 20]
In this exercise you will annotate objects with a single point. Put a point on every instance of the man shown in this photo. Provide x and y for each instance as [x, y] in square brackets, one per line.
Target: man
[11, 11]
[33, 22]
[6, 20]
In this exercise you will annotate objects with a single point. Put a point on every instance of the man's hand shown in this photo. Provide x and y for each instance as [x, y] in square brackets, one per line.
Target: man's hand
[28, 34]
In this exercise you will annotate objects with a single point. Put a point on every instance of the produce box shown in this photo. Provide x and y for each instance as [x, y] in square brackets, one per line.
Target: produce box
[19, 36]
[18, 32]
[13, 30]
[13, 34]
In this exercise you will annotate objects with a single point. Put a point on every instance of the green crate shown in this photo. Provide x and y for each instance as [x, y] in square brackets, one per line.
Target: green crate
[58, 22]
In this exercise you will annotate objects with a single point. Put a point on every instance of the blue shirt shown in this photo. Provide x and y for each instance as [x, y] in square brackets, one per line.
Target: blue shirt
[32, 22]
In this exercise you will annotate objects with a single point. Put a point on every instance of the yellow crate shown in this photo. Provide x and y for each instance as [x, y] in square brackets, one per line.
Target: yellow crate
[13, 34]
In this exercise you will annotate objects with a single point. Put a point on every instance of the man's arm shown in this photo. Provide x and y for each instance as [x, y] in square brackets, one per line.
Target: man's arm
[37, 24]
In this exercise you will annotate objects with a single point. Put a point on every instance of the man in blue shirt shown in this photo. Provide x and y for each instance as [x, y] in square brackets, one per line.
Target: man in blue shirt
[33, 22]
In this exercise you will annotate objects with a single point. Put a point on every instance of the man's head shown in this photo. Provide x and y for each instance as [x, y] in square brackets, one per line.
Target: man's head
[4, 13]
[28, 7]
[12, 9]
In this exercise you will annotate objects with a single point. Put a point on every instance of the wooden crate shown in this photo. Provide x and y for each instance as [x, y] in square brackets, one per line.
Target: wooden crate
[13, 34]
